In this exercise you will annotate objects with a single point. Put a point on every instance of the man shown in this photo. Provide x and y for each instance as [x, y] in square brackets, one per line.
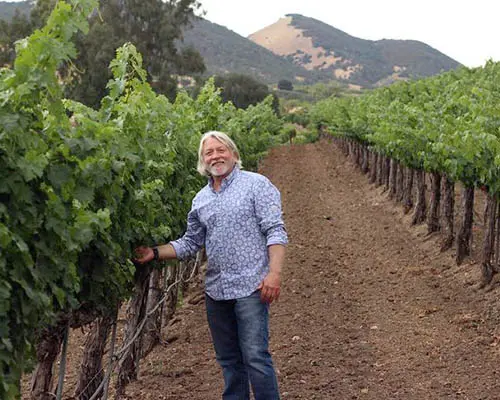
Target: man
[237, 217]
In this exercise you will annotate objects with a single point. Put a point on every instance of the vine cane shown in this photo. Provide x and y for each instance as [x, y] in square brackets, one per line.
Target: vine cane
[111, 355]
[62, 366]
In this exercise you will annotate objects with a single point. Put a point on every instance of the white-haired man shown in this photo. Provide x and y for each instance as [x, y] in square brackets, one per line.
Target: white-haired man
[237, 217]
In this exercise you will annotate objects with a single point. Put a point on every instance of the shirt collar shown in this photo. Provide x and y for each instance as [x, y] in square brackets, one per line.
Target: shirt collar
[227, 180]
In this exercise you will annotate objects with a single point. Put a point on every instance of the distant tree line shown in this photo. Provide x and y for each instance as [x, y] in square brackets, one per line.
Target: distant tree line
[243, 90]
[155, 27]
[285, 84]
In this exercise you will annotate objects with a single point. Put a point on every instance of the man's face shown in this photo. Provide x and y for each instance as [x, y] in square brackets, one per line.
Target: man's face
[218, 159]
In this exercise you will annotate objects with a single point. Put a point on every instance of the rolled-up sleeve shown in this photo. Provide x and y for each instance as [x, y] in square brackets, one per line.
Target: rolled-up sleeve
[267, 200]
[194, 238]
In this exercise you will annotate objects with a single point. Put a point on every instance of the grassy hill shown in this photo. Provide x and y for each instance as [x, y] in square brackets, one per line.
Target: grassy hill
[225, 51]
[318, 46]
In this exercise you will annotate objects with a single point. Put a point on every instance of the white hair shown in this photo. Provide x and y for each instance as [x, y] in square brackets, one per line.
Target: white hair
[225, 140]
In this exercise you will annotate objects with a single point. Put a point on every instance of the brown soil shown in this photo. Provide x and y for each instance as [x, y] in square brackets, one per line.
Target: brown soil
[370, 309]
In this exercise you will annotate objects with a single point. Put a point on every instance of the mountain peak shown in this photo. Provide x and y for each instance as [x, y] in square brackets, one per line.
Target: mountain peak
[288, 40]
[317, 46]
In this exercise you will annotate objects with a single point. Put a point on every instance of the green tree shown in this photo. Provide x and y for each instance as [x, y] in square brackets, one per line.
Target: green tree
[154, 26]
[40, 12]
[285, 84]
[18, 28]
[243, 90]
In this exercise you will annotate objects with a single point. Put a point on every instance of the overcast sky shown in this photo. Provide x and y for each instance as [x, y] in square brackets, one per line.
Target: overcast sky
[467, 31]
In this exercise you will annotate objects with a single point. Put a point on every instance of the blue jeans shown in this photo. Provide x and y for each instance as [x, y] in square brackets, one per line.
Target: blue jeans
[240, 333]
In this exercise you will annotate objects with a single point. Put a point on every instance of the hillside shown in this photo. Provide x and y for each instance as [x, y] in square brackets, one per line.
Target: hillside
[303, 50]
[317, 46]
[8, 9]
[225, 51]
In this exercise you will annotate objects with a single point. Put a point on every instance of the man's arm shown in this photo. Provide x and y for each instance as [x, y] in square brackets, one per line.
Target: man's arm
[271, 285]
[267, 202]
[192, 241]
[268, 212]
[147, 254]
[276, 258]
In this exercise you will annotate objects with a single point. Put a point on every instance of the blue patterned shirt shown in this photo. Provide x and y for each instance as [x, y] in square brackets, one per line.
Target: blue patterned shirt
[235, 224]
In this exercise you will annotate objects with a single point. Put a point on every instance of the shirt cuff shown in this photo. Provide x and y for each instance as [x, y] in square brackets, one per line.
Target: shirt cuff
[277, 235]
[179, 250]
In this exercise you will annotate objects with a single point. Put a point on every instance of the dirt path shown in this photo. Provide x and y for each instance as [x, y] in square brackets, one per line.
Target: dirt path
[370, 309]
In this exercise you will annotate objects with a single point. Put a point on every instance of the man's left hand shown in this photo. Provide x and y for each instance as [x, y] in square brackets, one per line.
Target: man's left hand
[270, 288]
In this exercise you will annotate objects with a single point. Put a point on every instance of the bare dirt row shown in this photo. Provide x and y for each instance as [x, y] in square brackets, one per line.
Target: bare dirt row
[370, 309]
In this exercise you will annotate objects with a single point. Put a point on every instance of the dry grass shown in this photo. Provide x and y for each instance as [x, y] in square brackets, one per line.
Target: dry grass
[284, 39]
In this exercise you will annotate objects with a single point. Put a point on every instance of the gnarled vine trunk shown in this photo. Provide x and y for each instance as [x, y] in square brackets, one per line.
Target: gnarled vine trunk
[448, 213]
[47, 349]
[185, 268]
[352, 152]
[387, 173]
[91, 372]
[136, 312]
[365, 165]
[380, 170]
[392, 178]
[400, 183]
[152, 329]
[490, 219]
[373, 167]
[421, 204]
[465, 230]
[433, 224]
[171, 276]
[357, 154]
[408, 191]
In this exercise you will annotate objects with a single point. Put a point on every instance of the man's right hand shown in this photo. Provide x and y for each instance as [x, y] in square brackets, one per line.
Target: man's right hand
[144, 255]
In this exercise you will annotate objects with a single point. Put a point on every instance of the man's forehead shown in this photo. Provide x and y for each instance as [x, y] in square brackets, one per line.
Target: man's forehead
[214, 142]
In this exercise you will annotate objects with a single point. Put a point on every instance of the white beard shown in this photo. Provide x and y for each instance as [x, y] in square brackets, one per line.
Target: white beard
[220, 169]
